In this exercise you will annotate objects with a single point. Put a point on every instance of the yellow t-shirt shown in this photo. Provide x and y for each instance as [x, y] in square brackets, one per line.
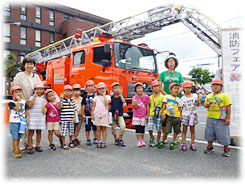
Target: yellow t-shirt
[217, 101]
[174, 102]
[156, 102]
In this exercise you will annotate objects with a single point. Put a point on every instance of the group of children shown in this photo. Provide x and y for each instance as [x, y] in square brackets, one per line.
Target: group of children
[165, 112]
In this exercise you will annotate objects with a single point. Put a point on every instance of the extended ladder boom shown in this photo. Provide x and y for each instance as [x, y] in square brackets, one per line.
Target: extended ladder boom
[137, 27]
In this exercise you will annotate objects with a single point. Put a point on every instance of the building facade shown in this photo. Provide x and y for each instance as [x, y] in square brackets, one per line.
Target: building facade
[29, 27]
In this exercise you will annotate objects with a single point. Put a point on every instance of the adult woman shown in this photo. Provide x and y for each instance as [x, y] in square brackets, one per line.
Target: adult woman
[26, 81]
[168, 77]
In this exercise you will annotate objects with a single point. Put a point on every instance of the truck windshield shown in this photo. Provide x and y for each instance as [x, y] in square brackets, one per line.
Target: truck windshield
[135, 58]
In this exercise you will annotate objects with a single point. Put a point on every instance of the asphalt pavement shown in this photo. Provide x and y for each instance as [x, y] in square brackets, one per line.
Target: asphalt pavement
[90, 162]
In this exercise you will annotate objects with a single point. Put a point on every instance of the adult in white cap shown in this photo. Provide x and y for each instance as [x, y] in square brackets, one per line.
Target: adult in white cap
[170, 76]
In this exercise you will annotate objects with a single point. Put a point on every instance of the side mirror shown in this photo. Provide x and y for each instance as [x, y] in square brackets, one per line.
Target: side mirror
[105, 63]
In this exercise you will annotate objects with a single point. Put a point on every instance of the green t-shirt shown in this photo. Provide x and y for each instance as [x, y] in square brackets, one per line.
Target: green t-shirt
[164, 78]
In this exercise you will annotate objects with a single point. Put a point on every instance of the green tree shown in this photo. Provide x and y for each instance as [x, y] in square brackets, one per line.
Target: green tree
[10, 65]
[201, 76]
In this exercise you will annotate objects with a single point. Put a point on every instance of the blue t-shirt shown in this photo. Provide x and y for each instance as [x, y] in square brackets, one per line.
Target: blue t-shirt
[116, 104]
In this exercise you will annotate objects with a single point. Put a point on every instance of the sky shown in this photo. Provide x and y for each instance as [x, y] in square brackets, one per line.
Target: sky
[190, 51]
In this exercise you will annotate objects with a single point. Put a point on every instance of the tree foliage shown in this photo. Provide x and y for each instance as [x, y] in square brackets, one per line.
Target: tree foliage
[10, 65]
[201, 76]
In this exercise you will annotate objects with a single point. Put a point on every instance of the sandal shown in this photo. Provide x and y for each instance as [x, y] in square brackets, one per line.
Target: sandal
[103, 145]
[29, 150]
[39, 148]
[64, 147]
[71, 145]
[74, 143]
[99, 144]
[77, 141]
[16, 154]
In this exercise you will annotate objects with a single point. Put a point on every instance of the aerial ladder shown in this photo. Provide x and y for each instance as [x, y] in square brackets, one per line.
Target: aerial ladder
[138, 26]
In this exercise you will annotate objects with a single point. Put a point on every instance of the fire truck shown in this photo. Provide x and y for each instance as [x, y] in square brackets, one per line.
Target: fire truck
[106, 54]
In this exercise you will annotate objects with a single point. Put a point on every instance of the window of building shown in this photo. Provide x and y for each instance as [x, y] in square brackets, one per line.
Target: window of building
[23, 35]
[6, 53]
[67, 17]
[79, 58]
[23, 12]
[51, 17]
[6, 33]
[100, 55]
[7, 11]
[51, 37]
[38, 38]
[38, 15]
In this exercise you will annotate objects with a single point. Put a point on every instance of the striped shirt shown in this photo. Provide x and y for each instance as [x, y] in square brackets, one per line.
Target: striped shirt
[67, 110]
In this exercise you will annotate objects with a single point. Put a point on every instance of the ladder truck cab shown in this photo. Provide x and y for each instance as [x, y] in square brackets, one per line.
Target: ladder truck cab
[108, 60]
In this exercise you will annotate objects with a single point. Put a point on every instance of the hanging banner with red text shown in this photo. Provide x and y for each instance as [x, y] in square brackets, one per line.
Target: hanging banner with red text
[231, 58]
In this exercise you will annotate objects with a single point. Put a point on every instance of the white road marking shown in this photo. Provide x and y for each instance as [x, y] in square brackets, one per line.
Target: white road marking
[188, 139]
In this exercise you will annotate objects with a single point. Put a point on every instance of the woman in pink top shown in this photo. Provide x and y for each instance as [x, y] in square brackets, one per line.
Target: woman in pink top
[141, 103]
[52, 117]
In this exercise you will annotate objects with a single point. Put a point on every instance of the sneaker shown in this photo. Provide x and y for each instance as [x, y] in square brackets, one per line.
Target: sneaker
[227, 153]
[142, 142]
[209, 150]
[38, 148]
[193, 147]
[172, 146]
[121, 143]
[162, 144]
[116, 142]
[151, 142]
[88, 142]
[99, 143]
[52, 147]
[156, 144]
[183, 147]
[139, 143]
[29, 150]
[95, 140]
[23, 147]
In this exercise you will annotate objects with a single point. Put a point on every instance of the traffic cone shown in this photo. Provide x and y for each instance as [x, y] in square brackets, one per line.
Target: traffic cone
[6, 115]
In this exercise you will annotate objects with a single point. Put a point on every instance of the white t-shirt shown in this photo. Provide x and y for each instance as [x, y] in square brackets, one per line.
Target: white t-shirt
[16, 115]
[26, 82]
[188, 104]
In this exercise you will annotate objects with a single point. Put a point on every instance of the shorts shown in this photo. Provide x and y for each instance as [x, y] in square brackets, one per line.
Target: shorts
[139, 121]
[154, 121]
[172, 122]
[139, 129]
[217, 130]
[186, 119]
[67, 126]
[14, 131]
[89, 124]
[53, 125]
[79, 124]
